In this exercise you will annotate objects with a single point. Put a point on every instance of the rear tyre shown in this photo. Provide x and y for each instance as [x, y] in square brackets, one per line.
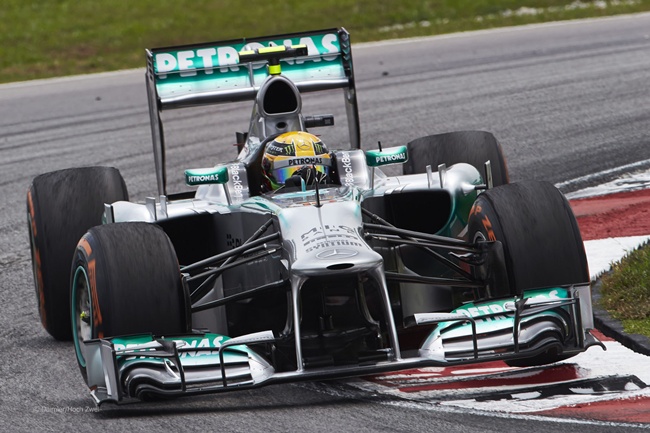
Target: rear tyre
[61, 207]
[471, 147]
[126, 280]
[541, 241]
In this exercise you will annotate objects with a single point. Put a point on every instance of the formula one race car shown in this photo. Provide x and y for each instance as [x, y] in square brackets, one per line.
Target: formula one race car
[298, 262]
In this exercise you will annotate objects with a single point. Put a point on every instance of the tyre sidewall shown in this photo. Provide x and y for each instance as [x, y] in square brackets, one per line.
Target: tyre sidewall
[484, 225]
[35, 231]
[85, 262]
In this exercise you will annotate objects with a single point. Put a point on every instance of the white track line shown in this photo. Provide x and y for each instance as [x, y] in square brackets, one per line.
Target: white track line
[613, 186]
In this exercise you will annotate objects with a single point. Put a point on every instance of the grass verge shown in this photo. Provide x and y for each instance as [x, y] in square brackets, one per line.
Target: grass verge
[47, 38]
[625, 292]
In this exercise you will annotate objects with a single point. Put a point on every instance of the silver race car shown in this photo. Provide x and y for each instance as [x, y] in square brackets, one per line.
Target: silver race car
[294, 261]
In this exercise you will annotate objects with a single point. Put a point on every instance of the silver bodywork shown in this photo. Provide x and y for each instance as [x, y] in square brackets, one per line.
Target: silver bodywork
[320, 238]
[316, 242]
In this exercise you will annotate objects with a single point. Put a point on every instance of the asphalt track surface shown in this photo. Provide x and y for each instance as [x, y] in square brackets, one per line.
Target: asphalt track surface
[566, 100]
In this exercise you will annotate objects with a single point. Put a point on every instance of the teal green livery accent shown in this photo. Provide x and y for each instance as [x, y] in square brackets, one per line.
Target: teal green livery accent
[206, 176]
[206, 350]
[487, 314]
[209, 68]
[223, 58]
[391, 155]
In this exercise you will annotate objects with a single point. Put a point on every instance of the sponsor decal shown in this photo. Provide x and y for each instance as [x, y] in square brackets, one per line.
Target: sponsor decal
[38, 272]
[210, 341]
[392, 155]
[223, 59]
[507, 306]
[329, 236]
[203, 343]
[477, 211]
[347, 175]
[400, 157]
[275, 149]
[303, 145]
[330, 231]
[487, 225]
[481, 310]
[203, 176]
[238, 188]
[98, 321]
[302, 160]
[336, 243]
[32, 213]
[233, 242]
[336, 254]
[318, 147]
[306, 161]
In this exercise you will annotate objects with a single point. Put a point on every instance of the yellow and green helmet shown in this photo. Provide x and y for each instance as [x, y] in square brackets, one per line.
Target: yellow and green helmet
[293, 156]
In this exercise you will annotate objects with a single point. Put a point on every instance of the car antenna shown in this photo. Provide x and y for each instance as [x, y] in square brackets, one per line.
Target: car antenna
[379, 145]
[316, 186]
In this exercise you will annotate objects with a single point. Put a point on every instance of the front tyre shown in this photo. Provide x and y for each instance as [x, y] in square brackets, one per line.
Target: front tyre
[126, 280]
[540, 236]
[541, 242]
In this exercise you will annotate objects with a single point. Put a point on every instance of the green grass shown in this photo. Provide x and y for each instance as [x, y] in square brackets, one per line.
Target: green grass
[46, 38]
[625, 292]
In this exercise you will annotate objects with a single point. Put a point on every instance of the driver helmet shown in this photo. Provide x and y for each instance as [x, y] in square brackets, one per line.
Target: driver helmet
[293, 156]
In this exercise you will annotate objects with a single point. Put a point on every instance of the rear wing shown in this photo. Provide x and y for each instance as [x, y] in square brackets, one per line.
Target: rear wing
[210, 73]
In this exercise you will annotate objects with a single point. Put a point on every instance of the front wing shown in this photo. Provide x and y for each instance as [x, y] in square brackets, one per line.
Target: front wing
[123, 369]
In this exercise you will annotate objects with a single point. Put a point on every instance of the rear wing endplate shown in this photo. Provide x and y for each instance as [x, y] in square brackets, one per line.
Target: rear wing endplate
[210, 73]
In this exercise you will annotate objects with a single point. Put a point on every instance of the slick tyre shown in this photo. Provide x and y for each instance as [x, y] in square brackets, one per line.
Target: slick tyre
[126, 280]
[61, 207]
[471, 147]
[541, 241]
[540, 236]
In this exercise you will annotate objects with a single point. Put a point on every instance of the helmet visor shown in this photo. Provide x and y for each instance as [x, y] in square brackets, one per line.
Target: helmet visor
[305, 171]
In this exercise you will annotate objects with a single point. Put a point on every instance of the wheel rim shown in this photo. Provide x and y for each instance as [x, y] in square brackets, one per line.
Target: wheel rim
[479, 237]
[81, 313]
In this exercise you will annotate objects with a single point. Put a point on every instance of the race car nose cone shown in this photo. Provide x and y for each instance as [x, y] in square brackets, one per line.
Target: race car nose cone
[336, 260]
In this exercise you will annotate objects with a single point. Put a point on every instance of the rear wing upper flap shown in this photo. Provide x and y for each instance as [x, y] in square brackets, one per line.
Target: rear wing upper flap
[210, 73]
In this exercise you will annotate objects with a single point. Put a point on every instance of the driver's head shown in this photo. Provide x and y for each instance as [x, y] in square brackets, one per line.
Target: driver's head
[293, 156]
